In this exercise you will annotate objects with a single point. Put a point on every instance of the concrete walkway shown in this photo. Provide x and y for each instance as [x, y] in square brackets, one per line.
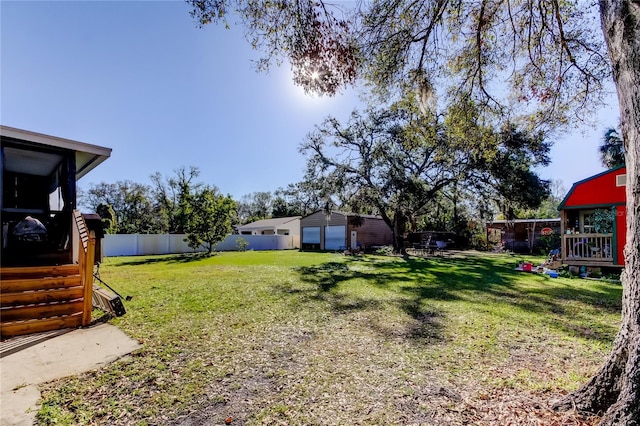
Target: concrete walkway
[65, 355]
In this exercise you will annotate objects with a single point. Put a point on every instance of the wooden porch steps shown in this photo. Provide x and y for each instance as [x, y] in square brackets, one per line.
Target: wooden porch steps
[40, 298]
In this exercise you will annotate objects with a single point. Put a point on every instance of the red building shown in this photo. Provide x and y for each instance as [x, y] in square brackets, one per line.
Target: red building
[593, 221]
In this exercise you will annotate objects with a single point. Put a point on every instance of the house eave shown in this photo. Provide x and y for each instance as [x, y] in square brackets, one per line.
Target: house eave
[88, 156]
[562, 205]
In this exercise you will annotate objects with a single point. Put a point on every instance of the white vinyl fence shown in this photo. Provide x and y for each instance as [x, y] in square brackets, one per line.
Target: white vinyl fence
[145, 244]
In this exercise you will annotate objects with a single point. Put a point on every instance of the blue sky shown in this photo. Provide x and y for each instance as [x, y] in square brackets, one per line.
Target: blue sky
[141, 78]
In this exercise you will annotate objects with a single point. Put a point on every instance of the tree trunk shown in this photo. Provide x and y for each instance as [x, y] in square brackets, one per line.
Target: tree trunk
[397, 231]
[614, 391]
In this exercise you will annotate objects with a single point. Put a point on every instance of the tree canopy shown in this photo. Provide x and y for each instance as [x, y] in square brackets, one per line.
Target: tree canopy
[611, 149]
[210, 218]
[396, 162]
[131, 203]
[544, 54]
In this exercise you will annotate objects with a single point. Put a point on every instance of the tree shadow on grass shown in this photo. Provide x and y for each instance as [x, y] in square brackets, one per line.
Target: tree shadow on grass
[175, 258]
[484, 281]
[450, 279]
[425, 323]
[415, 283]
[327, 275]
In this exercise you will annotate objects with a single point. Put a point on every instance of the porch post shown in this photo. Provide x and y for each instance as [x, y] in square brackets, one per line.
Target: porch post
[87, 280]
[563, 220]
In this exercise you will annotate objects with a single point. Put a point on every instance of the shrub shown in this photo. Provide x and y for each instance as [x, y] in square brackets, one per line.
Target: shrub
[241, 244]
[384, 251]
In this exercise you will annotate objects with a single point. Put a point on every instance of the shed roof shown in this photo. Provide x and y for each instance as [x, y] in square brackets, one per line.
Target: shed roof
[500, 221]
[25, 161]
[268, 223]
[365, 216]
[599, 190]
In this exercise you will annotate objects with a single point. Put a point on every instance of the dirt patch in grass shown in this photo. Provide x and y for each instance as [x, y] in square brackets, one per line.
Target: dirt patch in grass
[346, 374]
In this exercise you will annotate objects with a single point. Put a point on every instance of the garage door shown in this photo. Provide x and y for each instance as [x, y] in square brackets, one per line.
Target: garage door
[310, 238]
[335, 237]
[311, 234]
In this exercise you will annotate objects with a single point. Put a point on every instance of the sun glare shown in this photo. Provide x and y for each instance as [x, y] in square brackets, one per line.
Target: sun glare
[298, 92]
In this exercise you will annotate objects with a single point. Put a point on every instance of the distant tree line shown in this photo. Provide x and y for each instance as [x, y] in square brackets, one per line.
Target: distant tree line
[169, 203]
[173, 204]
[438, 172]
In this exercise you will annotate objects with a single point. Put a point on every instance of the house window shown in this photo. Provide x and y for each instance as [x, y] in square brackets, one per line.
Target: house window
[335, 237]
[621, 180]
[586, 221]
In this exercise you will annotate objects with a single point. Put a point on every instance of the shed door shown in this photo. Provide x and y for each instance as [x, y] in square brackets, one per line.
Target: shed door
[354, 240]
[335, 237]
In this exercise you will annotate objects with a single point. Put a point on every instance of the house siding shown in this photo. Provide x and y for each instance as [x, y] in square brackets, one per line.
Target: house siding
[515, 234]
[280, 226]
[599, 191]
[373, 231]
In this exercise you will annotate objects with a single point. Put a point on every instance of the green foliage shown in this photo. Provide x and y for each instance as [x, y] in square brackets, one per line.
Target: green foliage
[255, 206]
[510, 170]
[548, 207]
[603, 220]
[297, 199]
[612, 149]
[132, 205]
[280, 208]
[479, 240]
[300, 198]
[174, 196]
[108, 216]
[385, 251]
[546, 243]
[210, 218]
[241, 244]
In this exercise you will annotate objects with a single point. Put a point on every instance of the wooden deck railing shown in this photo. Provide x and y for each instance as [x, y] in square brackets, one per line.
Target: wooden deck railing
[594, 247]
[86, 259]
[43, 298]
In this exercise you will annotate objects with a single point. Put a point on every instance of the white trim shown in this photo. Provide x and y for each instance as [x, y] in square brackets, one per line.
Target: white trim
[556, 219]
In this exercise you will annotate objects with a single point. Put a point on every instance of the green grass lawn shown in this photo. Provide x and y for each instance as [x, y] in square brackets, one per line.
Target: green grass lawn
[285, 337]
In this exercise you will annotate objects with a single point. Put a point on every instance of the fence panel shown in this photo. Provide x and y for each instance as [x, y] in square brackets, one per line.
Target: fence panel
[147, 244]
[120, 245]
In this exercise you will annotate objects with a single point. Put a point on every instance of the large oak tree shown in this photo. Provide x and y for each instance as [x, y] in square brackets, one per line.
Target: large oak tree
[386, 162]
[540, 61]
